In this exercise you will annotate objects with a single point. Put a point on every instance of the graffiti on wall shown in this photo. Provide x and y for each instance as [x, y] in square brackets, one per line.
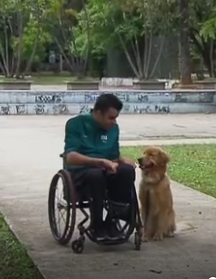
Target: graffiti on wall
[85, 97]
[42, 109]
[85, 109]
[151, 108]
[13, 109]
[60, 109]
[48, 98]
[180, 98]
[66, 103]
[133, 108]
[39, 109]
[124, 97]
[142, 98]
[75, 109]
[89, 98]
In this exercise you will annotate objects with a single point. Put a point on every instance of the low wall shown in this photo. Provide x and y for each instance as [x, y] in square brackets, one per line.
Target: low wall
[75, 102]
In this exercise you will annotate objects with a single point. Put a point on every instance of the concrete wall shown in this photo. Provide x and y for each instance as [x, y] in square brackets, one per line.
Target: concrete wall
[75, 102]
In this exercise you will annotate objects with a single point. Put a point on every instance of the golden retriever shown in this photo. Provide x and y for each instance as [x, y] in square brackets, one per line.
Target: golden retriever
[155, 195]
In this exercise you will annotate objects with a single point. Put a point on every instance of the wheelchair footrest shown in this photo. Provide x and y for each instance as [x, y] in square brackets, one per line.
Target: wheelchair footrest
[107, 242]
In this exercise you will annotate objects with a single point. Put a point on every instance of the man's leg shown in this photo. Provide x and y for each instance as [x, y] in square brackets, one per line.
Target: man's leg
[91, 182]
[119, 188]
[121, 183]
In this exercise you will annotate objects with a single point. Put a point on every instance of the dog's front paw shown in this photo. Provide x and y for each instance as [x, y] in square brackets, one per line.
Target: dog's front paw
[170, 234]
[158, 237]
[144, 238]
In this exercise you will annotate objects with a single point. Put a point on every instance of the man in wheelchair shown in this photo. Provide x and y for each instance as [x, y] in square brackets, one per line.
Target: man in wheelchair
[93, 158]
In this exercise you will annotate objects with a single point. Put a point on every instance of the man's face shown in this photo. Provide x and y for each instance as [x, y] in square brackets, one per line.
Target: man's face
[108, 119]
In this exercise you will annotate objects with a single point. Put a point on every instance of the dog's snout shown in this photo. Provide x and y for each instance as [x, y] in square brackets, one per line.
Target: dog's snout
[139, 161]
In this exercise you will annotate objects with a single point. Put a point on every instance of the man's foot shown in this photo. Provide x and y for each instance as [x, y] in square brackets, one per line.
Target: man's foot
[114, 233]
[100, 234]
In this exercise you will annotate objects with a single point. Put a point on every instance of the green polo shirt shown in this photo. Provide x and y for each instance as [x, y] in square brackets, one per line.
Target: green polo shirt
[85, 136]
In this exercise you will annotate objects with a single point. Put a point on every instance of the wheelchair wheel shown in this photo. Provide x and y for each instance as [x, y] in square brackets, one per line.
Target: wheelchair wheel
[78, 245]
[137, 241]
[65, 207]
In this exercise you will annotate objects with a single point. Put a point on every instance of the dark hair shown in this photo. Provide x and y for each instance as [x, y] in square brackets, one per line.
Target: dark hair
[107, 101]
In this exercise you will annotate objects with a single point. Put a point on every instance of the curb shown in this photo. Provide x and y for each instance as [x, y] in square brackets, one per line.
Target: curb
[167, 142]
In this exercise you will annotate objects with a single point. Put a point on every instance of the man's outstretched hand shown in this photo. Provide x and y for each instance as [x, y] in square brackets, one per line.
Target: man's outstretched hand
[128, 161]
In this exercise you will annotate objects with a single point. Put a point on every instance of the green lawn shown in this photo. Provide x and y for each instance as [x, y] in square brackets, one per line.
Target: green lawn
[14, 261]
[192, 165]
[48, 79]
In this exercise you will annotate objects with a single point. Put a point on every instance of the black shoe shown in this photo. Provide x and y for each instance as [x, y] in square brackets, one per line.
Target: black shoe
[114, 233]
[100, 234]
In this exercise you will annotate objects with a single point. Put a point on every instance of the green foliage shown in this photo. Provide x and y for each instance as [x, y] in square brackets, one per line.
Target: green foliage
[208, 28]
[107, 20]
[22, 32]
[99, 25]
[31, 32]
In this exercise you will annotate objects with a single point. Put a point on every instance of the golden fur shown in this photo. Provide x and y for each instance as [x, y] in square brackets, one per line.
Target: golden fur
[155, 195]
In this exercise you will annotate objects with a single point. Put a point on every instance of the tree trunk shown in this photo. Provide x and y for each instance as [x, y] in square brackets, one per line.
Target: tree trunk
[184, 45]
[29, 63]
[20, 44]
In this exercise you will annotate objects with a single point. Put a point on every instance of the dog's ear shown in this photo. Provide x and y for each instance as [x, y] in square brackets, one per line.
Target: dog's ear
[166, 157]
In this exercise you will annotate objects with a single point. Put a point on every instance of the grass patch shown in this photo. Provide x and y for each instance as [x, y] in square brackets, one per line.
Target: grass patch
[49, 79]
[14, 261]
[192, 165]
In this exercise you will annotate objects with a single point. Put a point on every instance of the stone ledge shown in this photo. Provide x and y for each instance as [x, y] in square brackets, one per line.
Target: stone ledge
[149, 85]
[15, 85]
[126, 96]
[134, 101]
[82, 108]
[83, 85]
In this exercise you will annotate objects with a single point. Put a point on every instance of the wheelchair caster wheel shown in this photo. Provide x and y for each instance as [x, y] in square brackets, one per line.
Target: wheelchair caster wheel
[78, 246]
[137, 241]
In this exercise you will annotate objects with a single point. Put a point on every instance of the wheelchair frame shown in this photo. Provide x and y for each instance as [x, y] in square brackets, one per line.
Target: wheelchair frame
[71, 205]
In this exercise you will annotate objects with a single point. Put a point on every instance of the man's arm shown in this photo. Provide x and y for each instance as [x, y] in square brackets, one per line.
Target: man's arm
[117, 157]
[72, 146]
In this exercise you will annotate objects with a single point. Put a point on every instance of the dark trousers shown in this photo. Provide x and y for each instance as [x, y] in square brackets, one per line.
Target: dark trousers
[96, 182]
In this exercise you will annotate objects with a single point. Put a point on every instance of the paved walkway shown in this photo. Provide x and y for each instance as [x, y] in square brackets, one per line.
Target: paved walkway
[133, 127]
[29, 150]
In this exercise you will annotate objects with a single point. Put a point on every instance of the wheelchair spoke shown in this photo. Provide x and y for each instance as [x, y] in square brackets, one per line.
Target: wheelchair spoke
[61, 205]
[62, 216]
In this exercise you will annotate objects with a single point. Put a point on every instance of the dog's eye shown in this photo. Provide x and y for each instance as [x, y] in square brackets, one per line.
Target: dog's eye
[154, 154]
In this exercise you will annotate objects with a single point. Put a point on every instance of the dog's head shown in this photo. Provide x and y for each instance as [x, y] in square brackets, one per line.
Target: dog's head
[153, 157]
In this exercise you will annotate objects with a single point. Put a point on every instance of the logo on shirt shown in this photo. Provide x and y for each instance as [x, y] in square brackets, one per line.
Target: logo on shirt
[104, 138]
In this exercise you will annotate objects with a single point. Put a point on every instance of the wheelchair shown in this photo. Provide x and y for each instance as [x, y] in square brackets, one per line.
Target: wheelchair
[70, 206]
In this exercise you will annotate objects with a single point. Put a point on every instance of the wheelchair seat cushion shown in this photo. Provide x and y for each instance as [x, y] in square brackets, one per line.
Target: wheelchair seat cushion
[119, 210]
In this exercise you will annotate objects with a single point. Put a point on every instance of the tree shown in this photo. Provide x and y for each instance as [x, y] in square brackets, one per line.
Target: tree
[20, 33]
[203, 33]
[61, 21]
[127, 25]
[184, 45]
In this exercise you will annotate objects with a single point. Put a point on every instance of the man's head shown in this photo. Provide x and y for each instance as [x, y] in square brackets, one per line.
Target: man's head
[106, 110]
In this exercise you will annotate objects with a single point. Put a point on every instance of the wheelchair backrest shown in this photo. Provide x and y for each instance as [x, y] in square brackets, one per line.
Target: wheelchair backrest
[62, 155]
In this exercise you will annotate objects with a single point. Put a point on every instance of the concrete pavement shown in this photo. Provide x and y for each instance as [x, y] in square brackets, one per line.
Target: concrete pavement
[29, 148]
[133, 127]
